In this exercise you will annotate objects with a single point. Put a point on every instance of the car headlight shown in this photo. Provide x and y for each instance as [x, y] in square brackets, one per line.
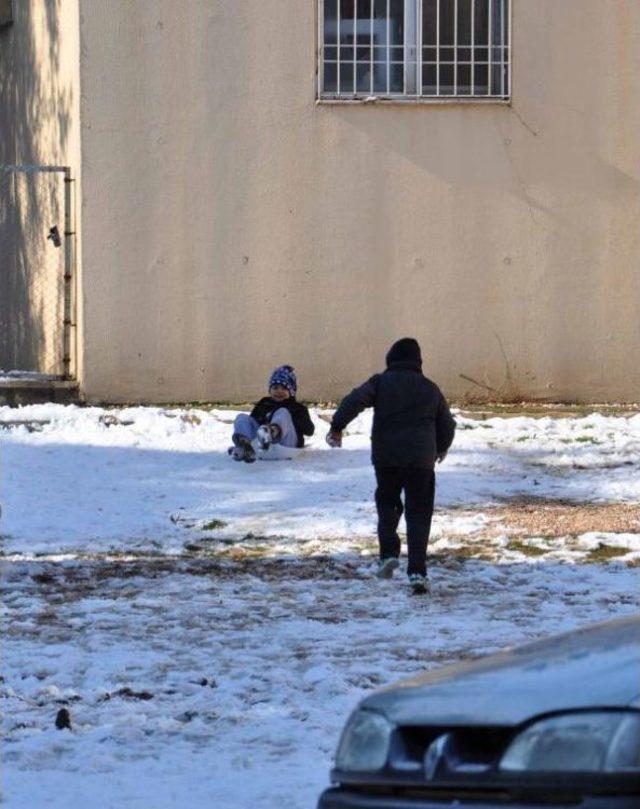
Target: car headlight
[364, 745]
[592, 742]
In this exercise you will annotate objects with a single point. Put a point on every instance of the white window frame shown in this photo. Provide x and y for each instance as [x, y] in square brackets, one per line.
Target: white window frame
[413, 62]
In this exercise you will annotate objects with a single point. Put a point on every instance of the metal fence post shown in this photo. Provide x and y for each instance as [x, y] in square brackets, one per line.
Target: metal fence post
[69, 274]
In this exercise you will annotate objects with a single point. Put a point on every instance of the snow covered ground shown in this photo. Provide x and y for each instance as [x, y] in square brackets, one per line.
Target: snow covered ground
[209, 625]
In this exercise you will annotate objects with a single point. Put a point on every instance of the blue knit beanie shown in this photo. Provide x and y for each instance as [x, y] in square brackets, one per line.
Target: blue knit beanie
[285, 376]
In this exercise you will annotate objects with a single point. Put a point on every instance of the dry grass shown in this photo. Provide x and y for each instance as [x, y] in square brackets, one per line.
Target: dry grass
[603, 553]
[525, 548]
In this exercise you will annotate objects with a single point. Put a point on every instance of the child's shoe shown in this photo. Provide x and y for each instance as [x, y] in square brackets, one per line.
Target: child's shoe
[419, 584]
[269, 434]
[386, 567]
[242, 449]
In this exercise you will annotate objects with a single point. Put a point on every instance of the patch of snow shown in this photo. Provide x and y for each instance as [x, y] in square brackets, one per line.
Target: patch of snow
[222, 676]
[114, 479]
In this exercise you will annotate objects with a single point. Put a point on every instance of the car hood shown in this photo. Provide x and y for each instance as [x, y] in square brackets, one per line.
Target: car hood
[598, 666]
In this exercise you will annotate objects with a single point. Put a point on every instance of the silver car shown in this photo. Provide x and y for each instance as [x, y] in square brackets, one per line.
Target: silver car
[554, 723]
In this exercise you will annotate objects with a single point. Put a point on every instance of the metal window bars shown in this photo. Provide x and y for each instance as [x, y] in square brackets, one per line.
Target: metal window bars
[414, 49]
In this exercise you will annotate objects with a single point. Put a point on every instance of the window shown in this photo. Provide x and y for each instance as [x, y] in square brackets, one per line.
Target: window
[414, 49]
[6, 12]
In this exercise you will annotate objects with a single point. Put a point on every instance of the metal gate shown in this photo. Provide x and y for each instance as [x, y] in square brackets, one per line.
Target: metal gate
[37, 278]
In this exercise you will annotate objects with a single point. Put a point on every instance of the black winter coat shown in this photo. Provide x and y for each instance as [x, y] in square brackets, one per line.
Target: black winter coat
[266, 407]
[411, 419]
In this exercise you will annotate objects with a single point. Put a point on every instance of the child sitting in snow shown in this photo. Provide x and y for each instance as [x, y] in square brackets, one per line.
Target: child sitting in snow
[277, 419]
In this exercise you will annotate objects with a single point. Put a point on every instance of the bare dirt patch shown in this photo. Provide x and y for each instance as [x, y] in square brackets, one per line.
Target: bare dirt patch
[551, 518]
[532, 525]
[554, 518]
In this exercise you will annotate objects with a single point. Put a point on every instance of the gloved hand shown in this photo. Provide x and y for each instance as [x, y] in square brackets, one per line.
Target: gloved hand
[441, 456]
[334, 438]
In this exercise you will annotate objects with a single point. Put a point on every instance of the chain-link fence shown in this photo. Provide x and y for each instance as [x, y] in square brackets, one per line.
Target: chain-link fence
[35, 271]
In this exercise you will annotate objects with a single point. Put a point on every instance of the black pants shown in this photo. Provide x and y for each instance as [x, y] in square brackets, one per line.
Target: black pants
[419, 489]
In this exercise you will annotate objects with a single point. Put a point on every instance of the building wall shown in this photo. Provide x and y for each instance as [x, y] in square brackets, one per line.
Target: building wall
[231, 224]
[39, 124]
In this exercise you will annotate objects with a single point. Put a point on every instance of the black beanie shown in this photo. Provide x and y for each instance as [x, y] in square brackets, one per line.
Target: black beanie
[405, 350]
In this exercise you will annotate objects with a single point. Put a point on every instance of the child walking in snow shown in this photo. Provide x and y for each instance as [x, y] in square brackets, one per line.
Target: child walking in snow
[276, 420]
[412, 429]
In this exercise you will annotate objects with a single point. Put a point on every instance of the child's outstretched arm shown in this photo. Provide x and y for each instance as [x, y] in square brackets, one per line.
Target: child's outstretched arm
[351, 406]
[445, 428]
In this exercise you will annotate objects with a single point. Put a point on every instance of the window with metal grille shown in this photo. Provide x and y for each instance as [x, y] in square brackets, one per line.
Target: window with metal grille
[6, 12]
[414, 50]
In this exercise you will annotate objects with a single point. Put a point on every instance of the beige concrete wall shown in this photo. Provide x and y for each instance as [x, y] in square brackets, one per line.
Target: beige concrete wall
[39, 124]
[231, 224]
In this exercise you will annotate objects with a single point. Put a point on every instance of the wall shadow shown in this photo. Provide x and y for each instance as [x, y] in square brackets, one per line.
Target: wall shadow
[86, 498]
[35, 121]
